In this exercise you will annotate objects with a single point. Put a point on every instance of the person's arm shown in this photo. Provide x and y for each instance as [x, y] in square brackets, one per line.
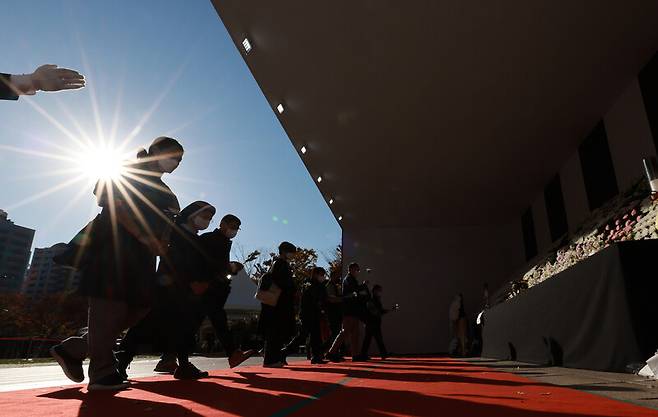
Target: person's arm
[45, 78]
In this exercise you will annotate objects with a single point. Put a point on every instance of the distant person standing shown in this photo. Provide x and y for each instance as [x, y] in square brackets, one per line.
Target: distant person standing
[118, 274]
[45, 78]
[334, 305]
[313, 303]
[353, 313]
[460, 325]
[277, 323]
[376, 311]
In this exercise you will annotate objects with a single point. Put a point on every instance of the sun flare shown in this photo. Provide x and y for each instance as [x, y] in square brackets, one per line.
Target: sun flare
[102, 163]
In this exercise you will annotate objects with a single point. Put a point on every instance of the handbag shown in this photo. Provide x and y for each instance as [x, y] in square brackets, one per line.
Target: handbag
[268, 292]
[76, 255]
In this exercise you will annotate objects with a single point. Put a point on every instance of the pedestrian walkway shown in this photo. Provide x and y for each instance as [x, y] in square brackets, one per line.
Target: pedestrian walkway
[425, 387]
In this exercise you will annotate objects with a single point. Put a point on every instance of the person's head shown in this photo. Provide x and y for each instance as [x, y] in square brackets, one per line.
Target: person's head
[196, 216]
[354, 269]
[163, 156]
[229, 226]
[377, 290]
[318, 274]
[335, 277]
[287, 250]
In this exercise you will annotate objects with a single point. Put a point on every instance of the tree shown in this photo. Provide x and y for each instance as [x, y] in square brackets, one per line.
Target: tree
[335, 260]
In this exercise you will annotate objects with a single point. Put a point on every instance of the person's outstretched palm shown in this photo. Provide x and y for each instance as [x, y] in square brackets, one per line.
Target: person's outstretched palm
[51, 78]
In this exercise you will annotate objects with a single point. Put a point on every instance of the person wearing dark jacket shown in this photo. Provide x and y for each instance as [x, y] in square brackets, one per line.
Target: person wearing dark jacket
[217, 249]
[354, 297]
[313, 304]
[170, 325]
[374, 323]
[277, 323]
[44, 78]
[118, 273]
[334, 305]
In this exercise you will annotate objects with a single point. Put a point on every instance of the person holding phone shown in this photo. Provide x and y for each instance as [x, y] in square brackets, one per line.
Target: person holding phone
[216, 246]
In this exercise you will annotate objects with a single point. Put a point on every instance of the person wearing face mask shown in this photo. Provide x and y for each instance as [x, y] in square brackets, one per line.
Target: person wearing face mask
[277, 323]
[118, 268]
[170, 326]
[217, 248]
[353, 306]
[313, 304]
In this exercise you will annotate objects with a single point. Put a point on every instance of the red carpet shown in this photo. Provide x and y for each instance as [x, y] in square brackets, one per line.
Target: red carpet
[426, 387]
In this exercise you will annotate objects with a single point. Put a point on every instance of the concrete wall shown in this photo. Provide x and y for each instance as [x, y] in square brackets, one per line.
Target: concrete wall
[423, 269]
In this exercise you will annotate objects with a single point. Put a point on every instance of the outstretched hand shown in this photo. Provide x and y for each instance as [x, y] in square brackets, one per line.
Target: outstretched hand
[52, 78]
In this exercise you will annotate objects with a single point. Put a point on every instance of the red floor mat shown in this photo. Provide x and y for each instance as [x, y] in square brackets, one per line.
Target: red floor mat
[425, 387]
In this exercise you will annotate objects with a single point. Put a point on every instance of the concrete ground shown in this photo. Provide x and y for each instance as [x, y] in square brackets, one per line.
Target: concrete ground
[44, 375]
[622, 387]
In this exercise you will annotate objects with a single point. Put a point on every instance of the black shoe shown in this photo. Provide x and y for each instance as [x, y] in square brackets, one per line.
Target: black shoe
[112, 382]
[334, 357]
[318, 361]
[189, 371]
[123, 363]
[360, 358]
[72, 367]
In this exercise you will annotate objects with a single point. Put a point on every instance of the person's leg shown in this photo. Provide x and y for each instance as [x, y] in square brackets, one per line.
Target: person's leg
[106, 321]
[365, 347]
[316, 341]
[70, 353]
[352, 324]
[272, 347]
[379, 338]
[219, 320]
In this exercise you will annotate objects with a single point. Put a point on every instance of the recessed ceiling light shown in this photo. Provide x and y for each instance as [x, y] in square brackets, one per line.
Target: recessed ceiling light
[320, 179]
[303, 149]
[331, 201]
[340, 218]
[279, 108]
[247, 45]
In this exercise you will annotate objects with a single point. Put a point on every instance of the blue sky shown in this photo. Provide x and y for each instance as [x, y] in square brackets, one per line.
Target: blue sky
[176, 58]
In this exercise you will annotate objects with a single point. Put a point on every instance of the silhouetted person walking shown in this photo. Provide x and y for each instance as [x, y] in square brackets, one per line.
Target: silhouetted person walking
[118, 267]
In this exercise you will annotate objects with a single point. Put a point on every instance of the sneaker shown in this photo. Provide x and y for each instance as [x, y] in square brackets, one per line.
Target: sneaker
[318, 361]
[273, 365]
[166, 366]
[360, 358]
[72, 367]
[334, 357]
[239, 356]
[112, 382]
[189, 371]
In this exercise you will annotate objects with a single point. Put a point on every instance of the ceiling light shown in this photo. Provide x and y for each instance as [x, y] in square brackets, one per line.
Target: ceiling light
[303, 149]
[247, 45]
[331, 201]
[320, 179]
[279, 108]
[340, 218]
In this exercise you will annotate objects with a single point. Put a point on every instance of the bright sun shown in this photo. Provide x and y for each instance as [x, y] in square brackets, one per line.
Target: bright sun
[102, 162]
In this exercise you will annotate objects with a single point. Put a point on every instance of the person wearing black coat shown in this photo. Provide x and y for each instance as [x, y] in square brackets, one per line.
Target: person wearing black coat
[374, 323]
[277, 323]
[118, 272]
[314, 299]
[217, 249]
[170, 325]
[45, 78]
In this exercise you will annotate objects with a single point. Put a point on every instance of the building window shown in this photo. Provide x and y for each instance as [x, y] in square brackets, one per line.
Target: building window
[598, 170]
[557, 215]
[648, 79]
[529, 237]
